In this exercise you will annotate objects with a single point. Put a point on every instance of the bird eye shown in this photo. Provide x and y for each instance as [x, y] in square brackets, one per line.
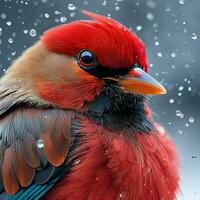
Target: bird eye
[86, 59]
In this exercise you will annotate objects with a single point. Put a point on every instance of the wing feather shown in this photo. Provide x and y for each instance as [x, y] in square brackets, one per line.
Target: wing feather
[34, 142]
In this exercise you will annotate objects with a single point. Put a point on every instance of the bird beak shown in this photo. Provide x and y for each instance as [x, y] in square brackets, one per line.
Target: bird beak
[138, 81]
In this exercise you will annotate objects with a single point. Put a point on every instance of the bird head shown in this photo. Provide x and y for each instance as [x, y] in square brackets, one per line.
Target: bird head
[73, 63]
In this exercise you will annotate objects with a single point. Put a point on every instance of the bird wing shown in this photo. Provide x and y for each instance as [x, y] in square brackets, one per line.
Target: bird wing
[34, 147]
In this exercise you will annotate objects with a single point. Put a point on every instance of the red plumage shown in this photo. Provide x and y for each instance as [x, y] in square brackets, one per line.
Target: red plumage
[121, 164]
[117, 48]
[57, 94]
[89, 122]
[116, 167]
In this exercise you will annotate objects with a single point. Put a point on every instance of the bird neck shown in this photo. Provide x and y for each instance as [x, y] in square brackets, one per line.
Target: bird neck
[116, 110]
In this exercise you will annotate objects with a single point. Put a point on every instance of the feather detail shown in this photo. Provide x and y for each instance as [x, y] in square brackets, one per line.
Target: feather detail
[118, 165]
[8, 174]
[114, 44]
[32, 143]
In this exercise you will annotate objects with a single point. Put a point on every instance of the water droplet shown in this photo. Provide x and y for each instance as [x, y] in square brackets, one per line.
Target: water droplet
[148, 170]
[186, 124]
[161, 129]
[121, 196]
[46, 15]
[155, 38]
[180, 131]
[173, 66]
[25, 31]
[109, 15]
[139, 28]
[10, 40]
[150, 16]
[194, 36]
[178, 113]
[3, 16]
[189, 89]
[171, 101]
[155, 25]
[72, 14]
[151, 4]
[9, 23]
[159, 54]
[117, 8]
[32, 33]
[63, 19]
[137, 3]
[179, 94]
[76, 162]
[180, 88]
[167, 9]
[173, 55]
[57, 20]
[71, 6]
[104, 3]
[13, 53]
[57, 12]
[181, 2]
[191, 120]
[40, 144]
[157, 43]
[168, 34]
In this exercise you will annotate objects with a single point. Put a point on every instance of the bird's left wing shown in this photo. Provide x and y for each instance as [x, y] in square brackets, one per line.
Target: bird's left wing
[34, 147]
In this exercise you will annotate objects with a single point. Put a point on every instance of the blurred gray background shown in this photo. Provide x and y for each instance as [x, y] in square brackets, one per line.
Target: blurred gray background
[171, 31]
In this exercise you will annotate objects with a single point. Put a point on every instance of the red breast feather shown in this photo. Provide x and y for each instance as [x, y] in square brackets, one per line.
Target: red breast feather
[141, 167]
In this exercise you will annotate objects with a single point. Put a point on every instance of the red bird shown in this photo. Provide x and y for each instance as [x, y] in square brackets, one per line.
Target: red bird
[74, 122]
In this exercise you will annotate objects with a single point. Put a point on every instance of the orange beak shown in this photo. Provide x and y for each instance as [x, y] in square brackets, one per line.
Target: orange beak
[138, 81]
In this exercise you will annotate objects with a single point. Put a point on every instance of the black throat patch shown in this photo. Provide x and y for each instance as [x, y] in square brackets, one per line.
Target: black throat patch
[116, 110]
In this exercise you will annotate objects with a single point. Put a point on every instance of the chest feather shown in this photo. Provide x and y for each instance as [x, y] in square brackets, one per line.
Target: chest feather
[118, 166]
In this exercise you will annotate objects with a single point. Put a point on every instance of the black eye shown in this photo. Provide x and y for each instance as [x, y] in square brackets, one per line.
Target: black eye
[86, 59]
